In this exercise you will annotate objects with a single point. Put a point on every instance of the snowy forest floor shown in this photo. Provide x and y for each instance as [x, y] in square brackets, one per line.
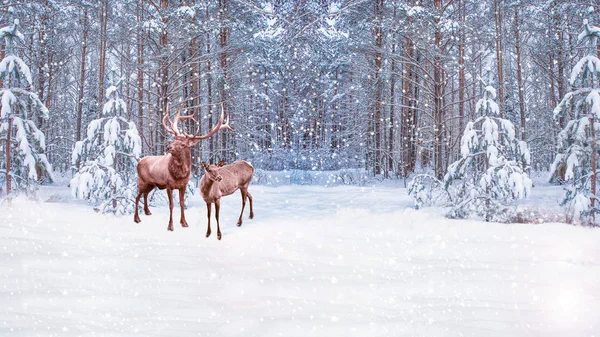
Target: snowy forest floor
[315, 261]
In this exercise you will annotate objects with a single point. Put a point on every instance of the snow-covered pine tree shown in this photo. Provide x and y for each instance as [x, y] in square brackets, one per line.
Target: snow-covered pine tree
[22, 144]
[577, 147]
[107, 159]
[492, 171]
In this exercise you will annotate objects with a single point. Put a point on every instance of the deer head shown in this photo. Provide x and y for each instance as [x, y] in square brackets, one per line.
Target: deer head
[184, 140]
[212, 171]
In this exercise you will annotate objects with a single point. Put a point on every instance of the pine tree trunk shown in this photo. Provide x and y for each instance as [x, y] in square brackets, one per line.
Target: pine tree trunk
[414, 117]
[552, 86]
[8, 177]
[209, 92]
[197, 151]
[223, 34]
[125, 69]
[164, 65]
[461, 68]
[379, 86]
[42, 61]
[557, 32]
[520, 88]
[392, 120]
[438, 93]
[82, 76]
[392, 105]
[102, 49]
[158, 136]
[406, 124]
[498, 9]
[140, 72]
[8, 134]
[593, 176]
[48, 98]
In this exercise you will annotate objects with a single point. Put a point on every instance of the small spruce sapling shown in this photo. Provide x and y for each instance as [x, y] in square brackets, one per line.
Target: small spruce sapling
[22, 144]
[107, 159]
[491, 174]
[577, 150]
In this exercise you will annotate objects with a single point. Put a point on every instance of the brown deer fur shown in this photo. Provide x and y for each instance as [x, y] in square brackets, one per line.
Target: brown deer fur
[219, 181]
[171, 171]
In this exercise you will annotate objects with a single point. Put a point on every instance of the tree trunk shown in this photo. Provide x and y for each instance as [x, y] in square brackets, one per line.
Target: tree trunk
[593, 176]
[8, 178]
[379, 86]
[498, 13]
[102, 50]
[557, 31]
[9, 131]
[223, 35]
[553, 99]
[392, 106]
[405, 123]
[42, 61]
[520, 88]
[82, 76]
[209, 91]
[140, 72]
[164, 64]
[461, 68]
[438, 93]
[197, 151]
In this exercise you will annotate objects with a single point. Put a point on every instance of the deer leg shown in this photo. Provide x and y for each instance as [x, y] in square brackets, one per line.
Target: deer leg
[136, 217]
[251, 211]
[170, 194]
[239, 223]
[146, 209]
[208, 215]
[182, 204]
[217, 207]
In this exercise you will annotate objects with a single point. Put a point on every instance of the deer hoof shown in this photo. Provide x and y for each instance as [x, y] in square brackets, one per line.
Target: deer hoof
[170, 228]
[219, 236]
[239, 223]
[207, 234]
[184, 224]
[251, 216]
[148, 212]
[137, 220]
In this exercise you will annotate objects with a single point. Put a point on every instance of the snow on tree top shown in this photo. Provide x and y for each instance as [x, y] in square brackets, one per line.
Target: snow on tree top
[415, 10]
[589, 31]
[110, 90]
[491, 90]
[270, 32]
[12, 31]
[589, 64]
[186, 10]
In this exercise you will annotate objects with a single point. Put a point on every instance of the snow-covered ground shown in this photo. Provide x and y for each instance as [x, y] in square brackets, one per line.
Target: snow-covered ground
[315, 261]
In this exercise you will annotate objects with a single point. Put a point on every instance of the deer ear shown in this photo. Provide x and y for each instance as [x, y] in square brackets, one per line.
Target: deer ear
[221, 163]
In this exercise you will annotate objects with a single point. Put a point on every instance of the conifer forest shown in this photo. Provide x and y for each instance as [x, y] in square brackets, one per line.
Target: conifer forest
[406, 168]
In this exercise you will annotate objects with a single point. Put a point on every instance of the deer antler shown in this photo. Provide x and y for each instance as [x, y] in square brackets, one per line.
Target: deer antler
[171, 128]
[179, 117]
[219, 126]
[173, 125]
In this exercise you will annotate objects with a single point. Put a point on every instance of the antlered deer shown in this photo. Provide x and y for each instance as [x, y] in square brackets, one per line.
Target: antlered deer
[171, 171]
[222, 180]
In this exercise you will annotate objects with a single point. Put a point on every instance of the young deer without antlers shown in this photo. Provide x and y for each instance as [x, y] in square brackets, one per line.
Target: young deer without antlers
[222, 180]
[171, 171]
